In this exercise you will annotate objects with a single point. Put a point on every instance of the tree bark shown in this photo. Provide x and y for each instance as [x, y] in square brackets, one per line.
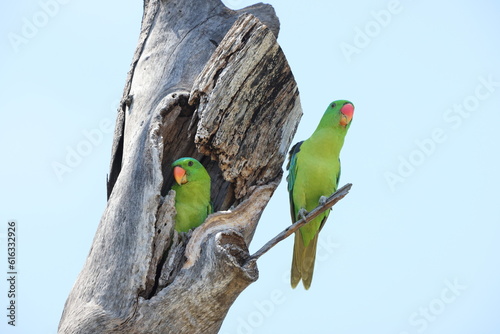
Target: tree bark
[210, 83]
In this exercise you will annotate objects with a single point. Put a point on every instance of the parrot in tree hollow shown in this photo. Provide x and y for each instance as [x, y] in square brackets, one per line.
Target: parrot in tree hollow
[314, 171]
[192, 194]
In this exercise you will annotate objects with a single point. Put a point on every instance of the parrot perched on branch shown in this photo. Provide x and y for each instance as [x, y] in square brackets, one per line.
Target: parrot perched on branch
[192, 194]
[314, 171]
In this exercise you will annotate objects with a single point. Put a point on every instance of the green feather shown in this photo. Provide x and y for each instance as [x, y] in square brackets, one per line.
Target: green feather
[192, 199]
[314, 171]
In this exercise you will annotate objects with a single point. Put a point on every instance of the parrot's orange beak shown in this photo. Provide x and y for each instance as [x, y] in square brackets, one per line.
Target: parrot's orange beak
[347, 111]
[180, 175]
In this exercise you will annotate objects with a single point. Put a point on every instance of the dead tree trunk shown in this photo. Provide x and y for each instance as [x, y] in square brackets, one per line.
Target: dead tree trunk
[210, 83]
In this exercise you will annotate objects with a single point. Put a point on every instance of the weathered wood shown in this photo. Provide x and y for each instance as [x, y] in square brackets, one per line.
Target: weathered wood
[176, 40]
[196, 88]
[252, 96]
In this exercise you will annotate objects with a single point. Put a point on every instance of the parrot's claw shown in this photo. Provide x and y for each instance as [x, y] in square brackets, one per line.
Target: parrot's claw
[302, 213]
[322, 200]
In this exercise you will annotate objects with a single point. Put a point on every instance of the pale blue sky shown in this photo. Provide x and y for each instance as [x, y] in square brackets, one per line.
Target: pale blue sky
[412, 249]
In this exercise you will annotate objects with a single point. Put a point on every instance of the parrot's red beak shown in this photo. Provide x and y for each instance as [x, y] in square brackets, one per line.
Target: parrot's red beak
[180, 175]
[347, 111]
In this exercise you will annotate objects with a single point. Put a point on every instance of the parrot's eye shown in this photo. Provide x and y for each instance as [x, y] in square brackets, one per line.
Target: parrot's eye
[190, 163]
[333, 105]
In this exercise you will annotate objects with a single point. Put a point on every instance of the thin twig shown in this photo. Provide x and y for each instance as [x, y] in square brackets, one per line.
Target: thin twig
[330, 201]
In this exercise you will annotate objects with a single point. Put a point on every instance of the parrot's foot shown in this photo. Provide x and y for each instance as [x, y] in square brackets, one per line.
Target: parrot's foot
[322, 200]
[302, 213]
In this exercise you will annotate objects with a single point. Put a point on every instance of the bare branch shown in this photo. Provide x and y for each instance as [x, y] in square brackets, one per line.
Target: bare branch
[331, 201]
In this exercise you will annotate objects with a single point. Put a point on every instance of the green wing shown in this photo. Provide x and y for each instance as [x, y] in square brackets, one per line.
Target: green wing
[292, 174]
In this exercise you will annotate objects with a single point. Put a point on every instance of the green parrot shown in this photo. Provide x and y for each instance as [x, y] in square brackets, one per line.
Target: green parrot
[192, 194]
[314, 171]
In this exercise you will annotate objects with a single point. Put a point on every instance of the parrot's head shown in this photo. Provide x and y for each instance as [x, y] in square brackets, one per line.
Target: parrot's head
[187, 170]
[342, 112]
